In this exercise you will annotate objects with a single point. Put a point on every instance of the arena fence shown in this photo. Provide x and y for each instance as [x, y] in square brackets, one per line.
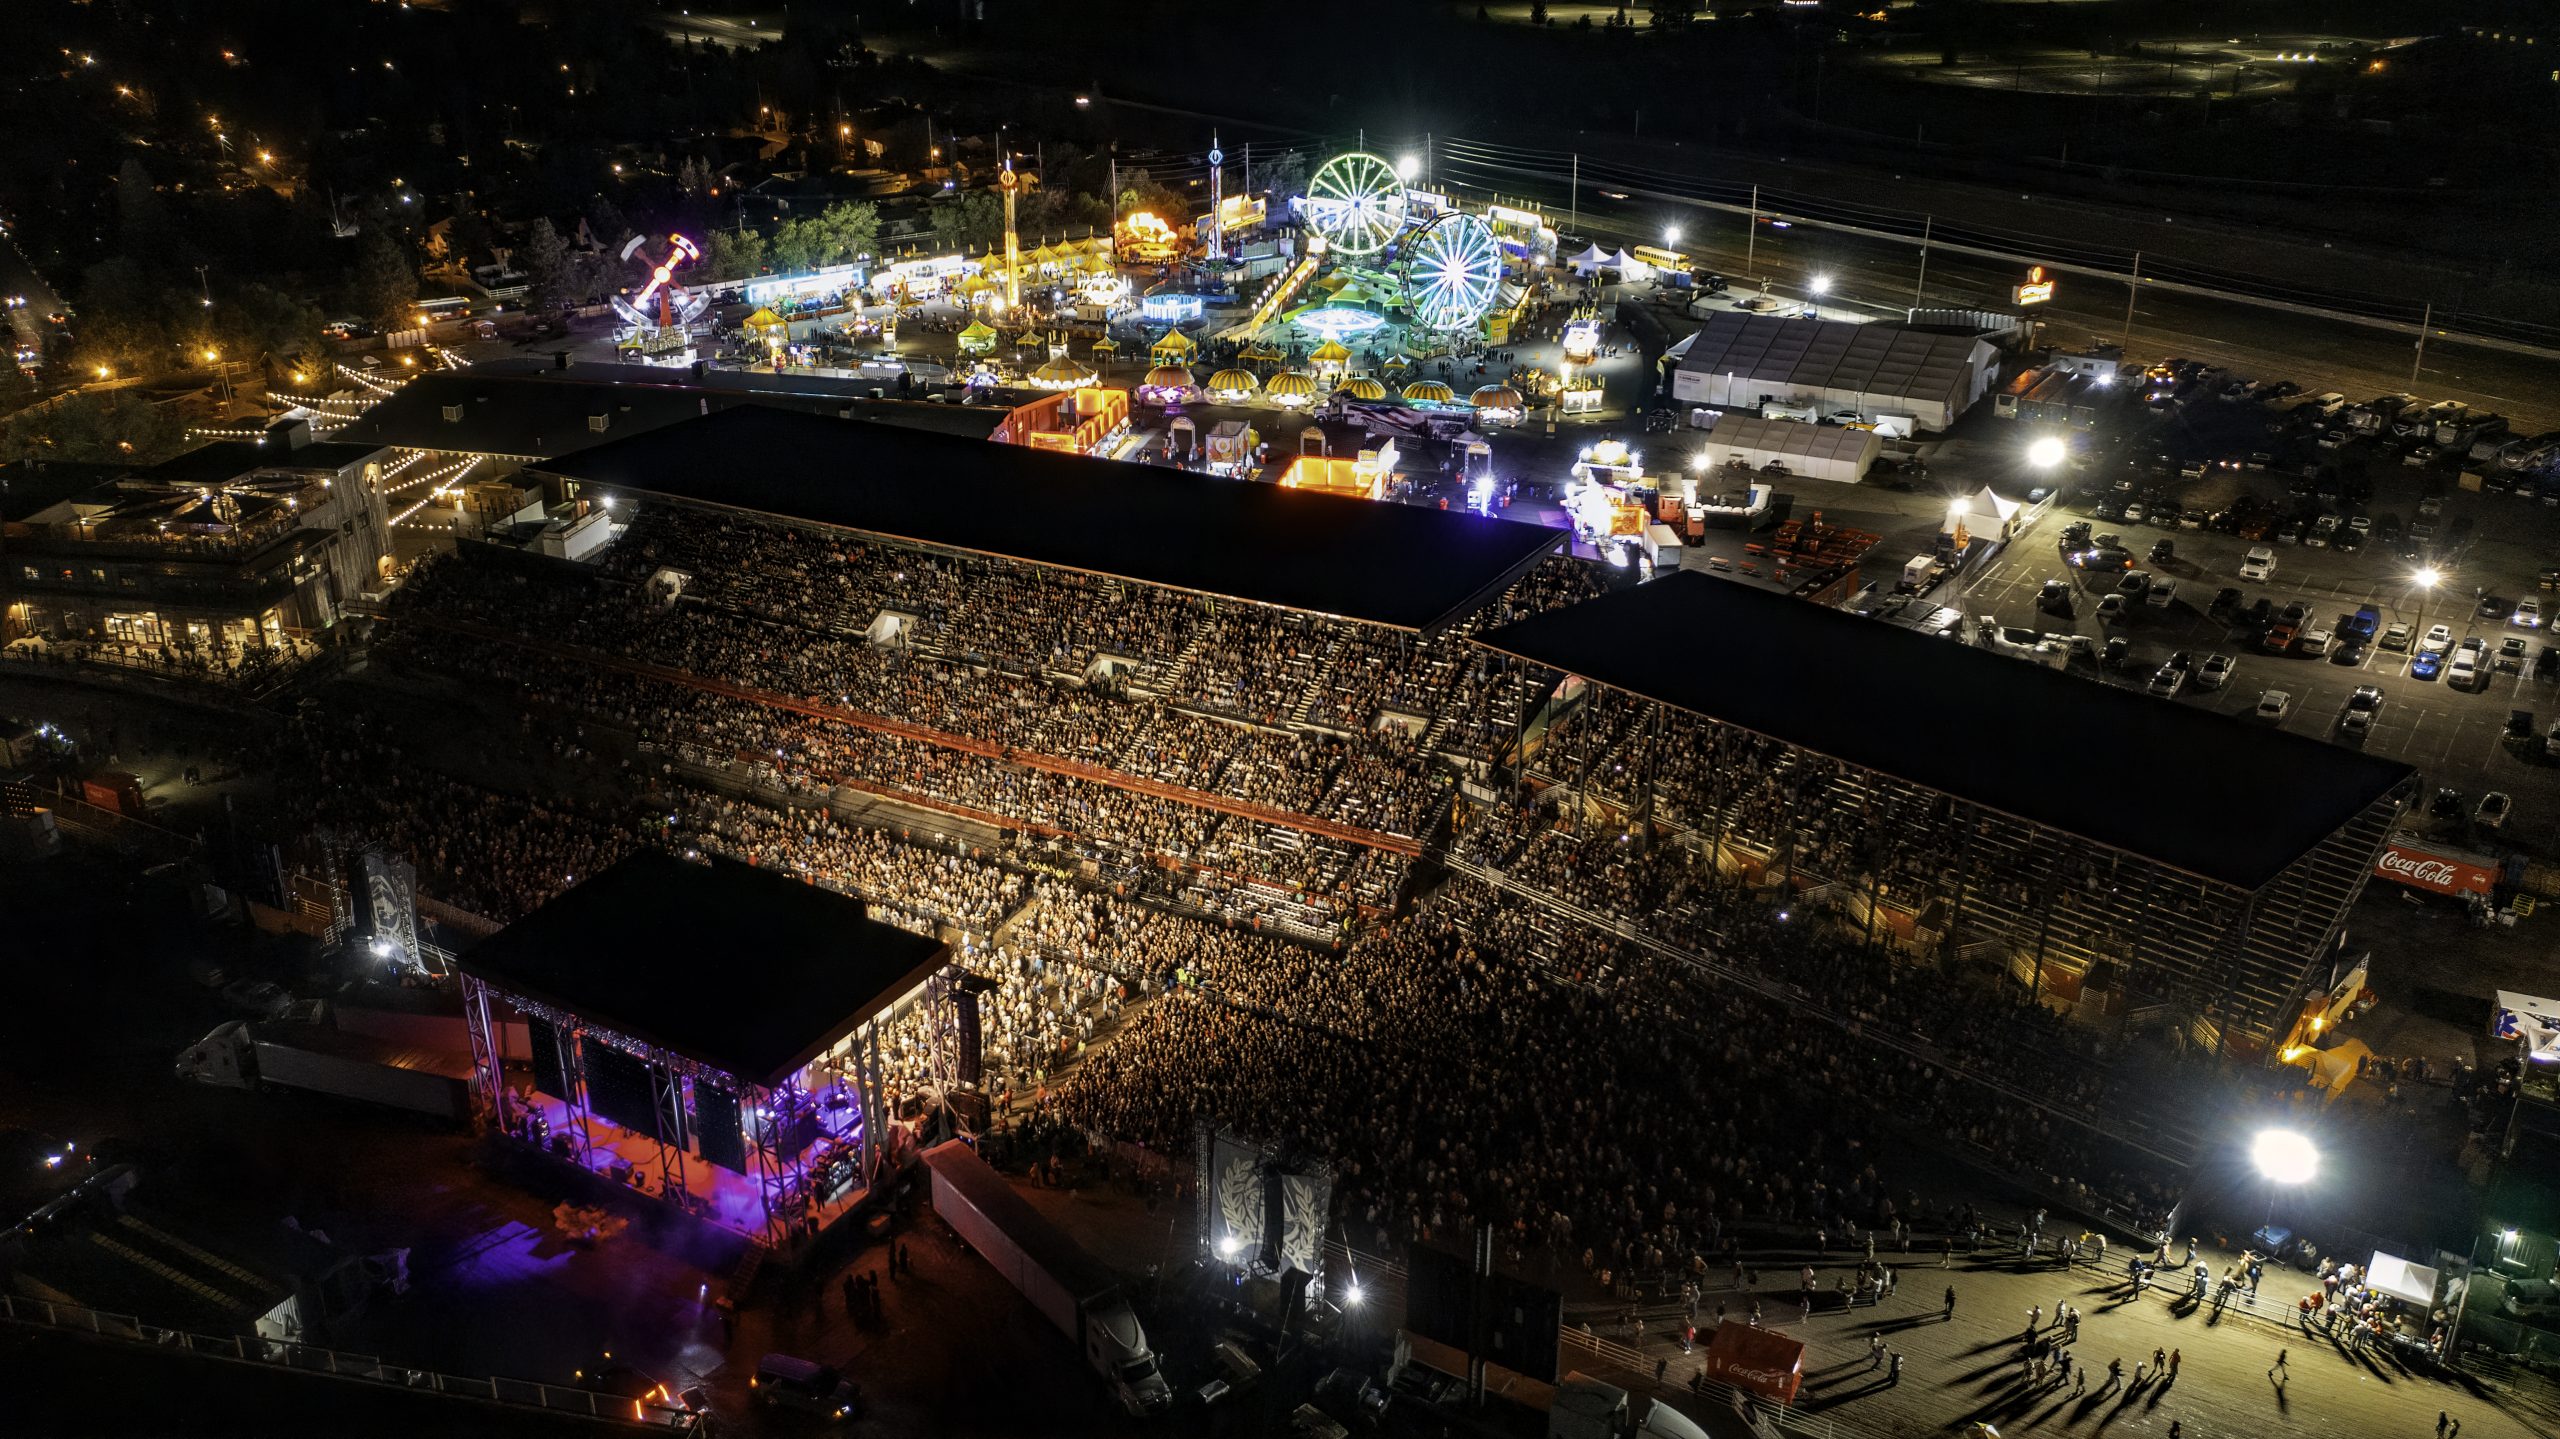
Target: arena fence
[355, 1368]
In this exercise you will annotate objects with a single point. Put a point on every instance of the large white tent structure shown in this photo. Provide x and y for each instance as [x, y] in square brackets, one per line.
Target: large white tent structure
[1885, 374]
[1817, 452]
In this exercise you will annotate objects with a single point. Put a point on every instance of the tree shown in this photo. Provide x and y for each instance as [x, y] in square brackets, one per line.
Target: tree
[545, 263]
[734, 254]
[94, 427]
[852, 230]
[1672, 14]
[796, 246]
[1284, 175]
[262, 321]
[970, 221]
[382, 286]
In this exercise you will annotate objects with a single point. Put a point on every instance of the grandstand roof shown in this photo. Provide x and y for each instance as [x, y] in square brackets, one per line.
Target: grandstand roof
[523, 412]
[747, 970]
[2220, 797]
[1388, 564]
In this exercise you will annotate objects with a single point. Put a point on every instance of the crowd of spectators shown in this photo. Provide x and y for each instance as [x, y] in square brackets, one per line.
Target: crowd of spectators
[1480, 1056]
[1480, 1060]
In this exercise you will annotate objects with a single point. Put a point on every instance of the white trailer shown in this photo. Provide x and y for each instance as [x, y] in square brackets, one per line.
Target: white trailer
[1064, 1283]
[239, 1055]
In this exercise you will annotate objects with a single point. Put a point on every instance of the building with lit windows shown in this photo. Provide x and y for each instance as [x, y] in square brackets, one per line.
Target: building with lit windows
[229, 548]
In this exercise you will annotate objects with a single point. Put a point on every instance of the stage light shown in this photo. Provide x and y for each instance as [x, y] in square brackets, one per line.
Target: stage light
[1407, 168]
[2284, 1156]
[1820, 285]
[1352, 1296]
[2048, 452]
[1229, 1246]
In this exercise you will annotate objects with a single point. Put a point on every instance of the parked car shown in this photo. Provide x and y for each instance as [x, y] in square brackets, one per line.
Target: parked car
[2166, 681]
[2162, 595]
[2163, 551]
[2274, 705]
[2396, 637]
[2355, 725]
[2258, 565]
[2493, 810]
[2528, 614]
[2111, 609]
[2512, 652]
[2215, 673]
[2464, 671]
[2225, 601]
[2439, 639]
[2426, 664]
[2315, 642]
[784, 1381]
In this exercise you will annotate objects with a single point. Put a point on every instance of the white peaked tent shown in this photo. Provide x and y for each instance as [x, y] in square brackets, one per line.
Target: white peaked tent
[1628, 265]
[2530, 1018]
[1588, 263]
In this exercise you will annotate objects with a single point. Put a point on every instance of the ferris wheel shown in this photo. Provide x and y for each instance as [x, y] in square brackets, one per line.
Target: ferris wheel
[1356, 202]
[1455, 272]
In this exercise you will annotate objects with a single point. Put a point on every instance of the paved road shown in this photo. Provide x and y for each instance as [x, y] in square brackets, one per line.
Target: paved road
[1968, 1367]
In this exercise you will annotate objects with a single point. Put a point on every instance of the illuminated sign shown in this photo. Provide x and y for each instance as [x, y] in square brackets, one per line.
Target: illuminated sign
[2037, 290]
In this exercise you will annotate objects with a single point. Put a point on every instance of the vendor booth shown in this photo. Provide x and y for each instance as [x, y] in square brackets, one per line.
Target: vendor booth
[768, 329]
[1080, 422]
[1172, 348]
[977, 339]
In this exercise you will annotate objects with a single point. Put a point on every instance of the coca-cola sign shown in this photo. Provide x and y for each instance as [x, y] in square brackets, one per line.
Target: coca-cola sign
[2434, 872]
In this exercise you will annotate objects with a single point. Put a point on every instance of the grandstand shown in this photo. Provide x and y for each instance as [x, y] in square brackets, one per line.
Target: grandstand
[1957, 801]
[1259, 706]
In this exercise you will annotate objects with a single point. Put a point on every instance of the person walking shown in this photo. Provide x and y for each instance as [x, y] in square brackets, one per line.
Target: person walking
[2174, 1356]
[2115, 1375]
[2442, 1419]
[2080, 1383]
[2159, 1360]
[2035, 1318]
[1875, 1350]
[1951, 1302]
[1895, 1375]
[1947, 1252]
[2282, 1355]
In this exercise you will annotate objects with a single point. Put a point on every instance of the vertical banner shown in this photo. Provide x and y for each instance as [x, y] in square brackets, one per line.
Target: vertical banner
[387, 911]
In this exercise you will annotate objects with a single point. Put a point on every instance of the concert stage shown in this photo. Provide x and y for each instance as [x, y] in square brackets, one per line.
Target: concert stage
[708, 1034]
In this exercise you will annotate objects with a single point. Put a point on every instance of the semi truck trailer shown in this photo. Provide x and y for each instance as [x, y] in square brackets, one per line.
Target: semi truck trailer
[1068, 1286]
[241, 1055]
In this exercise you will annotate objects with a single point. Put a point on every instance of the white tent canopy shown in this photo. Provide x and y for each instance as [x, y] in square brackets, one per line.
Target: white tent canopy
[1990, 505]
[2531, 1019]
[2401, 1279]
[1628, 265]
[1590, 261]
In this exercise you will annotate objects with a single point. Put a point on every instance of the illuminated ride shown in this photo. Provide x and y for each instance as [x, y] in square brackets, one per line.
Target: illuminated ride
[1356, 203]
[1454, 272]
[676, 307]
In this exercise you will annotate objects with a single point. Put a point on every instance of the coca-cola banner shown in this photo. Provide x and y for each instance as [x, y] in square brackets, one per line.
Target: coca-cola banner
[1763, 1361]
[2435, 873]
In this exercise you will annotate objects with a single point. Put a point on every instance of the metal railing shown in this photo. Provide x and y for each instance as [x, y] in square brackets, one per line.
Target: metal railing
[335, 1364]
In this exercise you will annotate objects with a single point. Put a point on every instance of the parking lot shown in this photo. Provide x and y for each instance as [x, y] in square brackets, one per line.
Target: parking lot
[2456, 737]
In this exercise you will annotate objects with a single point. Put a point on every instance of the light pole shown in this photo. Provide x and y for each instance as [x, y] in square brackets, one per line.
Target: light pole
[1815, 289]
[2287, 1159]
[2427, 579]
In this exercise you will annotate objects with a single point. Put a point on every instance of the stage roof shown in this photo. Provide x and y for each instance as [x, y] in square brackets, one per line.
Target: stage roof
[1388, 564]
[2221, 797]
[518, 411]
[749, 971]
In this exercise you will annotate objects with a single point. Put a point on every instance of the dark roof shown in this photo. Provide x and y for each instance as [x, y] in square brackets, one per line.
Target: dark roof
[2236, 801]
[226, 460]
[524, 411]
[1385, 563]
[27, 486]
[747, 970]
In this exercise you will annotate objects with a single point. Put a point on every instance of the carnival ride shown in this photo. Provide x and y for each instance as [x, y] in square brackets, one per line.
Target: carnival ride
[1356, 202]
[1453, 272]
[669, 326]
